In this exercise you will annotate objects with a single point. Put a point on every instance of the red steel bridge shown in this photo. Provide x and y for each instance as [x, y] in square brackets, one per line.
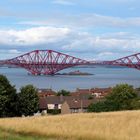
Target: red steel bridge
[49, 62]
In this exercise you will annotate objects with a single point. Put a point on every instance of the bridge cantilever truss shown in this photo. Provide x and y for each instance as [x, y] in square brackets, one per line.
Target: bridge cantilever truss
[132, 61]
[46, 62]
[49, 62]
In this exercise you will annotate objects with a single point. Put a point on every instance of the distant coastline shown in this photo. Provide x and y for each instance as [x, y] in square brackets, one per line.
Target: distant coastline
[77, 72]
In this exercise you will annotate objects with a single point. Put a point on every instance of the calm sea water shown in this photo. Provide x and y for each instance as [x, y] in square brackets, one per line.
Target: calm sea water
[103, 77]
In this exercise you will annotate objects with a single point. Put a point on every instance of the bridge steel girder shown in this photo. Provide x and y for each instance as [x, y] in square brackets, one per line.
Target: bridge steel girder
[45, 62]
[132, 61]
[49, 62]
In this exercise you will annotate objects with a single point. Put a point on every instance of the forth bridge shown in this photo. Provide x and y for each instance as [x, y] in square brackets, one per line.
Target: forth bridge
[49, 62]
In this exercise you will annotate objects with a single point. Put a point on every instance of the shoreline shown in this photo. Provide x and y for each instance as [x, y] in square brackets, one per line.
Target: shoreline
[77, 73]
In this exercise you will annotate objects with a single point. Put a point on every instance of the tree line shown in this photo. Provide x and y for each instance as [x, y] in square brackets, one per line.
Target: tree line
[26, 101]
[122, 97]
[13, 103]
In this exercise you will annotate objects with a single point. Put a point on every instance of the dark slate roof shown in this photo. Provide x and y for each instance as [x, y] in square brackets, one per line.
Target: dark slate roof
[73, 102]
[42, 103]
[53, 100]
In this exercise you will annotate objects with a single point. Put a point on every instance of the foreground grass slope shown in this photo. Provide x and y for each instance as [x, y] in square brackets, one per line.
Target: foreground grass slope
[7, 135]
[102, 126]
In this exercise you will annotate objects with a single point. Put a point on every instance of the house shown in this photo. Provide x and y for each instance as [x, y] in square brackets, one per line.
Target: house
[75, 106]
[42, 105]
[64, 104]
[49, 103]
[46, 92]
[78, 101]
[100, 92]
[82, 93]
[91, 93]
[53, 102]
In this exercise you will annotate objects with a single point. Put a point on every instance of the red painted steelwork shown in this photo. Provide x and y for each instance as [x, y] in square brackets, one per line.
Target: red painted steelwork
[49, 62]
[132, 61]
[44, 62]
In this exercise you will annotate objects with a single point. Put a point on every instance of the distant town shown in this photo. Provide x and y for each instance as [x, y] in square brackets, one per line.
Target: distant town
[70, 102]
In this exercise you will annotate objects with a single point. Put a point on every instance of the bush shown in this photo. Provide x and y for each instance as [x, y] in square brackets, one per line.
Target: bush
[8, 98]
[54, 111]
[63, 92]
[28, 100]
[122, 97]
[97, 107]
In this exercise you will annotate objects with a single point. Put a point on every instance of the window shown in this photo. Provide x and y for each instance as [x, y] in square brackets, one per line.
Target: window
[56, 106]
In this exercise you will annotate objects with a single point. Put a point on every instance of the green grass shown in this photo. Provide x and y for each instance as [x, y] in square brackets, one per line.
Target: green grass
[8, 135]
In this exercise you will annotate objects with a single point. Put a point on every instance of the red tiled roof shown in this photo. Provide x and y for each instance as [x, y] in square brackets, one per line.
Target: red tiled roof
[83, 90]
[101, 90]
[46, 92]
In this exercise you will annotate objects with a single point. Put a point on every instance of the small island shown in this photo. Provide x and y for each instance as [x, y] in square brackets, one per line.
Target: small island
[77, 72]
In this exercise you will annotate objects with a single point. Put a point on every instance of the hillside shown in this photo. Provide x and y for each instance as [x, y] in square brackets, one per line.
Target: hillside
[102, 126]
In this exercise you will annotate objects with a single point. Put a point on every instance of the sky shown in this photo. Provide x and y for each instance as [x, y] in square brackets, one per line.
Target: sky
[88, 29]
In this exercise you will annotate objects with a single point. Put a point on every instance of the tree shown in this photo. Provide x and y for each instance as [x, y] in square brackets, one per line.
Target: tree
[135, 104]
[8, 98]
[97, 107]
[122, 97]
[138, 91]
[28, 100]
[63, 92]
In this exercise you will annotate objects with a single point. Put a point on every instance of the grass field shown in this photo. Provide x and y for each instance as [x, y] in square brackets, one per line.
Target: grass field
[6, 135]
[92, 126]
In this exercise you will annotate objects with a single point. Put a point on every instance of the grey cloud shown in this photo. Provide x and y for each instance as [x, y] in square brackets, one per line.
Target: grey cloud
[67, 40]
[87, 21]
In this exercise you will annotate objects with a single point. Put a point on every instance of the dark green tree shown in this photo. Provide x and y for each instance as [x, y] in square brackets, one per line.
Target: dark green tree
[8, 98]
[138, 91]
[135, 104]
[28, 100]
[97, 107]
[63, 92]
[122, 97]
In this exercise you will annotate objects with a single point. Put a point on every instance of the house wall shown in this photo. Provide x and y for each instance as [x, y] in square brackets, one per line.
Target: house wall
[65, 108]
[50, 106]
[59, 106]
[54, 106]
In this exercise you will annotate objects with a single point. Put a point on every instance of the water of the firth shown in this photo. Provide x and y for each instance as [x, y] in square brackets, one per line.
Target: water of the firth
[103, 77]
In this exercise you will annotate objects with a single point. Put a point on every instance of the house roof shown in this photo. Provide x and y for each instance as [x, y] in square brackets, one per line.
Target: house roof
[101, 90]
[59, 99]
[83, 90]
[53, 100]
[80, 93]
[42, 103]
[46, 92]
[75, 104]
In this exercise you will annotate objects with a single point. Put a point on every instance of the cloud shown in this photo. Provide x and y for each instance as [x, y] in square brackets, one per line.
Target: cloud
[8, 53]
[33, 36]
[12, 51]
[70, 41]
[87, 20]
[63, 2]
